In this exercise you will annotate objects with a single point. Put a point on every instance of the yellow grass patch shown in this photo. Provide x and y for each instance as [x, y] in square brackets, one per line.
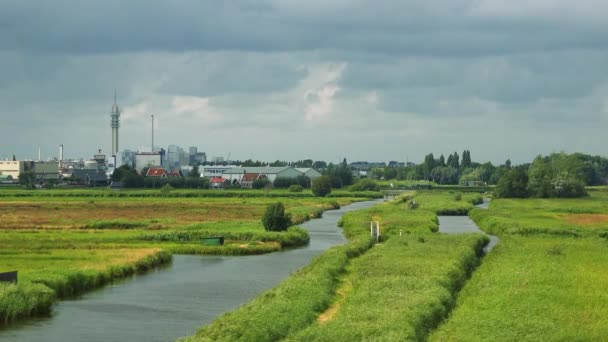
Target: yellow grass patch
[586, 219]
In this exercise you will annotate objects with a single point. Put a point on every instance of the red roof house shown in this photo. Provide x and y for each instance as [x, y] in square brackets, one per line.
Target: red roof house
[156, 172]
[174, 173]
[217, 182]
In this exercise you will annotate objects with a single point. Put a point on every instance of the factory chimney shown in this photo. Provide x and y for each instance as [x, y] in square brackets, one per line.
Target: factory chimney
[61, 156]
[115, 124]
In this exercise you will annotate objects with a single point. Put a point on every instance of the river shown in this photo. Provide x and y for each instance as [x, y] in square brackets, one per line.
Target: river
[177, 299]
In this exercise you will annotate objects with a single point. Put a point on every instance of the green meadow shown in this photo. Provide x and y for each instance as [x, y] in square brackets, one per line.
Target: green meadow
[64, 242]
[546, 280]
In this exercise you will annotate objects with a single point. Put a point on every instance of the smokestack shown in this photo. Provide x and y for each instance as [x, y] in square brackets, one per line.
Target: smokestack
[152, 133]
[61, 155]
[39, 154]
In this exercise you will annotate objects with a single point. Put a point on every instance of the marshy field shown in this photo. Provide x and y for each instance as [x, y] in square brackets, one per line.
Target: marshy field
[545, 280]
[65, 242]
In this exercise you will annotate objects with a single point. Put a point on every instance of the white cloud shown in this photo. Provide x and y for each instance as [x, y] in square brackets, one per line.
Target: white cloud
[320, 88]
[198, 108]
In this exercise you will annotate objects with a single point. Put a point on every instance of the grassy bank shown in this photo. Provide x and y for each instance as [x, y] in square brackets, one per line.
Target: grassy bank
[416, 269]
[535, 288]
[400, 289]
[546, 279]
[572, 217]
[54, 274]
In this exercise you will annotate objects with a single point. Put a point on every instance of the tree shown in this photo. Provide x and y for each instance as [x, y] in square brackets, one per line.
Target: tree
[321, 186]
[441, 160]
[27, 179]
[194, 173]
[466, 159]
[275, 218]
[540, 178]
[318, 165]
[514, 184]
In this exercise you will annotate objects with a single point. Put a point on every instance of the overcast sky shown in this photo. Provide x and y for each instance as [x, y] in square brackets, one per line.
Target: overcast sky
[320, 79]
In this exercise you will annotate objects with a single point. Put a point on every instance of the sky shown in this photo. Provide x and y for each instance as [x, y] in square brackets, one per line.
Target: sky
[320, 79]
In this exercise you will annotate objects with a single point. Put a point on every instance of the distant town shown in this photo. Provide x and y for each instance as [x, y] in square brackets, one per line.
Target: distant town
[98, 169]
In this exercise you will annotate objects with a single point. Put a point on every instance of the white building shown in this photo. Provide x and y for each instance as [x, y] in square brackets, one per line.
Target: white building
[11, 168]
[214, 171]
[147, 159]
[271, 173]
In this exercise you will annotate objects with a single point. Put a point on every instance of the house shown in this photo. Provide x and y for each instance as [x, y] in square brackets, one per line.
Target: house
[271, 173]
[248, 179]
[309, 172]
[92, 178]
[156, 172]
[216, 183]
[175, 173]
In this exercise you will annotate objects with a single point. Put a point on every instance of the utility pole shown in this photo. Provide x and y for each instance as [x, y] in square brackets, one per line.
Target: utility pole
[152, 133]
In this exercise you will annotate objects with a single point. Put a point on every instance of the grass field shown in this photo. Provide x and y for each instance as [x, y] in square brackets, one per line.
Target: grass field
[415, 273]
[65, 242]
[546, 280]
[586, 216]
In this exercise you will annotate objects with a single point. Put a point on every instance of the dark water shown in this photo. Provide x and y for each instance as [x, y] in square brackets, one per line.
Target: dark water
[175, 301]
[463, 225]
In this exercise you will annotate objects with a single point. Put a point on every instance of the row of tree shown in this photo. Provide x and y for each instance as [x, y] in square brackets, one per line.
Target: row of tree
[556, 175]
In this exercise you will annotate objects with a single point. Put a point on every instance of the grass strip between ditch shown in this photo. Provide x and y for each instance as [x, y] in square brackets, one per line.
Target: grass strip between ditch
[36, 293]
[287, 310]
[401, 289]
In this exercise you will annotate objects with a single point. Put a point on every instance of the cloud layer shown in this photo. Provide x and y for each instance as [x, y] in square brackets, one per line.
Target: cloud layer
[321, 79]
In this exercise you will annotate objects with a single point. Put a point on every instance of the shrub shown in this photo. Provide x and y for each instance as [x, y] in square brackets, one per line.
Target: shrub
[296, 188]
[275, 218]
[458, 197]
[321, 186]
[365, 185]
[165, 190]
[260, 183]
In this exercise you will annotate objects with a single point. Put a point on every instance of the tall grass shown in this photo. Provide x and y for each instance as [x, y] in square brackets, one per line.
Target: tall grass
[400, 290]
[534, 288]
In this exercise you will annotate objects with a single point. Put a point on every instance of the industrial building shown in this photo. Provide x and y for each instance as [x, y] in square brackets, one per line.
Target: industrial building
[309, 172]
[270, 173]
[11, 168]
[147, 159]
[214, 171]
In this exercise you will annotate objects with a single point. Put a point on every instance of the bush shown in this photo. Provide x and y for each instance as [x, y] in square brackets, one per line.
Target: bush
[165, 190]
[260, 183]
[275, 218]
[284, 182]
[514, 184]
[458, 197]
[321, 186]
[296, 188]
[365, 185]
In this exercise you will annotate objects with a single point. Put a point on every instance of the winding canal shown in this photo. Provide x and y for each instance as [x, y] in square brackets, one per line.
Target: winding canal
[464, 224]
[176, 300]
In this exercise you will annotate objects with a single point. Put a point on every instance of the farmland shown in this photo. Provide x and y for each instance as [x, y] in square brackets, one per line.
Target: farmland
[546, 279]
[65, 242]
